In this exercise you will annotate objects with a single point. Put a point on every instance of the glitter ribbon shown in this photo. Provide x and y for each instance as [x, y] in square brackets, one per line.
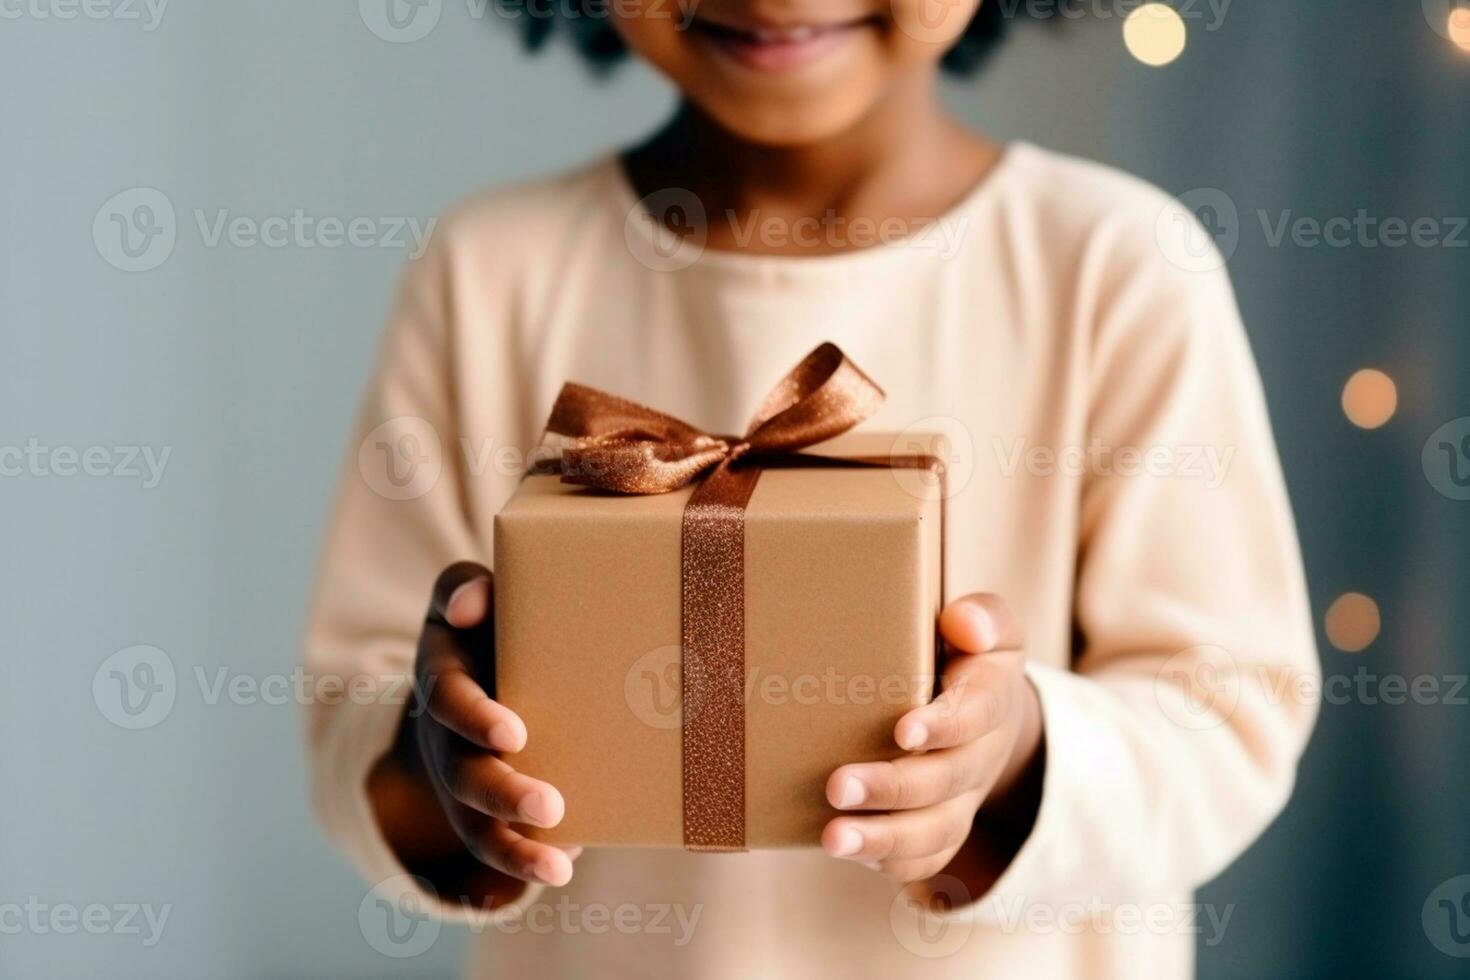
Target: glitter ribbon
[618, 445]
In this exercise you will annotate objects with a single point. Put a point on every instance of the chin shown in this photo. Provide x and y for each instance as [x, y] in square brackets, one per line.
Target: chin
[783, 125]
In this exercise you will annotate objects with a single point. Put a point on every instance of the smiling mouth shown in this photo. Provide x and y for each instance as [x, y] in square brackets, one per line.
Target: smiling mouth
[786, 48]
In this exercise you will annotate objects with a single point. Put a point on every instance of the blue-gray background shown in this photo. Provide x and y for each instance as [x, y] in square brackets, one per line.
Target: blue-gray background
[245, 363]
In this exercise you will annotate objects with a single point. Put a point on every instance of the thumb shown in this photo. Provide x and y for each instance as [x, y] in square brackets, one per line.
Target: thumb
[980, 623]
[462, 595]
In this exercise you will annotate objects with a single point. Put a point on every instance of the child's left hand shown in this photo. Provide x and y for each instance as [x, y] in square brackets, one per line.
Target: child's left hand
[969, 746]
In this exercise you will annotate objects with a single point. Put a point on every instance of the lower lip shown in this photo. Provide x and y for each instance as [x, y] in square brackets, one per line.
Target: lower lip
[782, 56]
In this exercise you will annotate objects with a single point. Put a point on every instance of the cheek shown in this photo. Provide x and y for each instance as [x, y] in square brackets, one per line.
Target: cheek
[655, 37]
[925, 29]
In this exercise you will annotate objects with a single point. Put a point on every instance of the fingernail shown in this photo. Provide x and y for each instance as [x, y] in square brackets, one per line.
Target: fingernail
[984, 628]
[533, 809]
[455, 595]
[913, 736]
[853, 793]
[547, 871]
[503, 736]
[848, 843]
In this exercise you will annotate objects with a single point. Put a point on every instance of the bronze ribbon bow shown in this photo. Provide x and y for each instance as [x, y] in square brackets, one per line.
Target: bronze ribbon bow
[619, 445]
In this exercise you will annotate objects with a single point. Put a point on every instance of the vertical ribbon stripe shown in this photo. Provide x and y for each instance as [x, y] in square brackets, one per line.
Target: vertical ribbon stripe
[712, 627]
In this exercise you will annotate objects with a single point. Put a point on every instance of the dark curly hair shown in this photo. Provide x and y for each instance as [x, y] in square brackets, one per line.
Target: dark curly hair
[585, 25]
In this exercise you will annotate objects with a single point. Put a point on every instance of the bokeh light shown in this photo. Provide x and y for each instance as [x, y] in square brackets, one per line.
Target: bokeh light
[1458, 27]
[1352, 622]
[1369, 398]
[1154, 34]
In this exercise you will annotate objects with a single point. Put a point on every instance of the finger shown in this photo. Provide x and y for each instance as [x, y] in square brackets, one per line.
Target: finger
[915, 781]
[498, 846]
[974, 702]
[902, 835]
[458, 702]
[547, 863]
[485, 783]
[914, 869]
[461, 595]
[979, 623]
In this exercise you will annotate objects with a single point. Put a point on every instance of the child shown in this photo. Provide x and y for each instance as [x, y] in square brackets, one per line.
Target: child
[1113, 730]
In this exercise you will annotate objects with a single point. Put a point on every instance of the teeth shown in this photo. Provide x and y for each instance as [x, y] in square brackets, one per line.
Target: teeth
[788, 35]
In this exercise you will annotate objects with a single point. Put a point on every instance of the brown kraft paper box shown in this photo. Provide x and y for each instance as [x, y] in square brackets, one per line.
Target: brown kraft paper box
[842, 591]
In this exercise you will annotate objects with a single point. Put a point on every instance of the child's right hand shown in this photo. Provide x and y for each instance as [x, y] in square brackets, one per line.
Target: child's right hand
[464, 731]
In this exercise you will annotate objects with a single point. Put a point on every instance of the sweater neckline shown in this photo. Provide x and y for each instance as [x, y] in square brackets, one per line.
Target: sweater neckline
[667, 254]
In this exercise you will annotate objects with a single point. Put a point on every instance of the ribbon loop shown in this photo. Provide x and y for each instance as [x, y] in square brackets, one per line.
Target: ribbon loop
[616, 444]
[823, 396]
[581, 412]
[640, 467]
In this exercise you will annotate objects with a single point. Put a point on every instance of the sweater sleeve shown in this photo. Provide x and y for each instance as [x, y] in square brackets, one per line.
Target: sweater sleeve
[1174, 739]
[399, 518]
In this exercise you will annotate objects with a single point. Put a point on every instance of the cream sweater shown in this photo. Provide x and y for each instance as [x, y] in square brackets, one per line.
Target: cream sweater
[1116, 481]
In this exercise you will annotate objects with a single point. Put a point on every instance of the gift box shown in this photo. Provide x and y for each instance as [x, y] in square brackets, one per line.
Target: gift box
[695, 647]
